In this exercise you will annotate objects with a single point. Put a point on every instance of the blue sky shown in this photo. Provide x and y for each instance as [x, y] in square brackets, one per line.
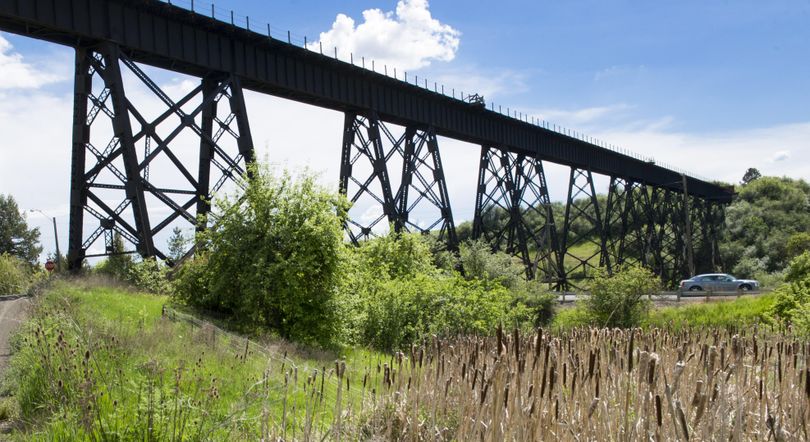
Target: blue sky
[710, 86]
[711, 65]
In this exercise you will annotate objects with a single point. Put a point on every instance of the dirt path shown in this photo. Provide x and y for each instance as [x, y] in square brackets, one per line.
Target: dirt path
[12, 311]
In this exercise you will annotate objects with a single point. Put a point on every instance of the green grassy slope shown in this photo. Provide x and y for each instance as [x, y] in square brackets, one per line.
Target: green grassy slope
[102, 362]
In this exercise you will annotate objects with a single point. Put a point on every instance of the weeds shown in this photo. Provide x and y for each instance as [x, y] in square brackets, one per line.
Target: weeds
[84, 372]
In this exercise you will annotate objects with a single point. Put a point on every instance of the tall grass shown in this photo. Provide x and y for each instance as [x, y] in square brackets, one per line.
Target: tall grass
[741, 312]
[103, 364]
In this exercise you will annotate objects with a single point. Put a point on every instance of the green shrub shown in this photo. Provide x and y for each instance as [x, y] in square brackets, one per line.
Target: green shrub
[479, 261]
[117, 265]
[398, 255]
[275, 258]
[799, 268]
[14, 275]
[801, 319]
[401, 311]
[571, 317]
[798, 243]
[191, 281]
[540, 303]
[621, 300]
[149, 275]
[792, 299]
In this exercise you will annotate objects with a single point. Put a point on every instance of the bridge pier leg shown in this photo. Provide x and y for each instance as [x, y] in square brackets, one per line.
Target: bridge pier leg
[362, 146]
[670, 219]
[122, 130]
[423, 184]
[716, 218]
[513, 212]
[581, 205]
[119, 172]
[82, 86]
[616, 223]
[635, 245]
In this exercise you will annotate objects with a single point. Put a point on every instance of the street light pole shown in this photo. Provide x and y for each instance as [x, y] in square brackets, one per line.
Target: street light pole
[55, 237]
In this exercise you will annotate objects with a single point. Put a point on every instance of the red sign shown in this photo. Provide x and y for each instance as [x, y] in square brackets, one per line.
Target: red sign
[49, 266]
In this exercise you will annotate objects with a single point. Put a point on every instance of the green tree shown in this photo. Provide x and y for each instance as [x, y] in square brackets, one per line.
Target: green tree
[797, 244]
[16, 238]
[275, 258]
[178, 244]
[750, 175]
[118, 264]
[760, 222]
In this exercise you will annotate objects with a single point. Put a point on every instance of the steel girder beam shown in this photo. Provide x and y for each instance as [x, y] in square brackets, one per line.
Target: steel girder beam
[115, 187]
[423, 185]
[582, 209]
[513, 212]
[174, 38]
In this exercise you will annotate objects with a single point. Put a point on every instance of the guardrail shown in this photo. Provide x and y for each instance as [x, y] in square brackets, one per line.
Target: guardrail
[675, 295]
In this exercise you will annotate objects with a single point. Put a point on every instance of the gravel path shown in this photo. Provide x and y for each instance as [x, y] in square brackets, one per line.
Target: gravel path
[13, 310]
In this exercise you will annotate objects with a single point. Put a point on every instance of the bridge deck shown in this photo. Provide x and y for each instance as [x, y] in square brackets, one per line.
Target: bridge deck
[169, 37]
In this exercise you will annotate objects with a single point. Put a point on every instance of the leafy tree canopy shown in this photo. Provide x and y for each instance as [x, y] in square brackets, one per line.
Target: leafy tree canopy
[15, 237]
[766, 214]
[750, 175]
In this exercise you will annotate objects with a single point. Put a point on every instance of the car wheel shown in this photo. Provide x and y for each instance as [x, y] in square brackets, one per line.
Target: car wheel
[745, 287]
[695, 288]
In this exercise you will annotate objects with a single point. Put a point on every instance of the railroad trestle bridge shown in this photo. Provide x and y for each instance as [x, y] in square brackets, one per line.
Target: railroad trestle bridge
[660, 218]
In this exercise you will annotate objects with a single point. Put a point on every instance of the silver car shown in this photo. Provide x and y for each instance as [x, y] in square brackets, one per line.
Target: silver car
[718, 282]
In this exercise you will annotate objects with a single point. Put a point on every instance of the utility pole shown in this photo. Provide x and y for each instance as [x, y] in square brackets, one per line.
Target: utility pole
[55, 237]
[690, 258]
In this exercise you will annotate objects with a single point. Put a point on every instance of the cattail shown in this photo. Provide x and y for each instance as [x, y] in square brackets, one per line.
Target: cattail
[630, 352]
[499, 336]
[682, 419]
[592, 407]
[806, 383]
[658, 411]
[651, 368]
[698, 393]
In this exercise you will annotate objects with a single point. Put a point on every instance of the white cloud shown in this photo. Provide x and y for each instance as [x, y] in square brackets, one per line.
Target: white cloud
[408, 38]
[781, 155]
[618, 71]
[472, 80]
[17, 74]
[725, 155]
[581, 117]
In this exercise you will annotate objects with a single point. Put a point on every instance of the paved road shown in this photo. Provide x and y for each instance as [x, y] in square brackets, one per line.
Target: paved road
[667, 297]
[12, 311]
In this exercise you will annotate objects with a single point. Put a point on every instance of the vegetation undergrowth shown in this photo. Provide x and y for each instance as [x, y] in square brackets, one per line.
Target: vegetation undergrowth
[277, 259]
[737, 314]
[100, 362]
